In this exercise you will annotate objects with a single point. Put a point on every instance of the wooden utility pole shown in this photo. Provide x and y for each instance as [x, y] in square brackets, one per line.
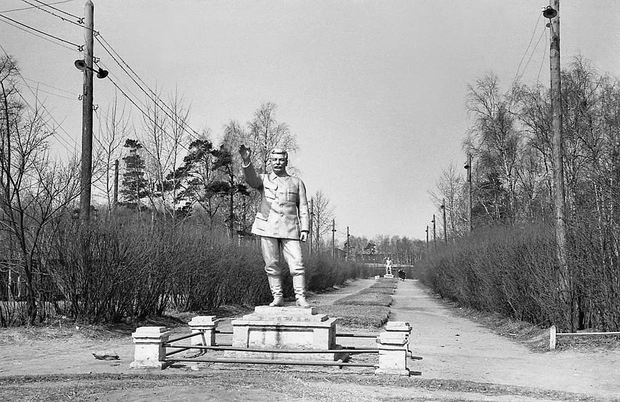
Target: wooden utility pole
[115, 200]
[87, 114]
[434, 233]
[469, 191]
[427, 238]
[347, 248]
[333, 238]
[445, 227]
[553, 14]
[310, 226]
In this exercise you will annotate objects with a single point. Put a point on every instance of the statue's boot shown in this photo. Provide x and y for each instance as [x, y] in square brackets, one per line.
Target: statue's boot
[299, 285]
[276, 291]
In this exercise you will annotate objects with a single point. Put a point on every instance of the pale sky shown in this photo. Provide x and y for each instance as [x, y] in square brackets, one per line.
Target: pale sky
[374, 91]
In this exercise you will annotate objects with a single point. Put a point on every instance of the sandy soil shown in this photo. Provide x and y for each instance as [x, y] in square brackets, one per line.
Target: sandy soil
[462, 361]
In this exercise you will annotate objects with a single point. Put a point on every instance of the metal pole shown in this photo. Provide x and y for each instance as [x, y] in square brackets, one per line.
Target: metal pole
[87, 114]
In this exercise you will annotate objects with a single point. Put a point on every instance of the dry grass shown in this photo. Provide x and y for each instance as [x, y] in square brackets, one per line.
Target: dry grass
[532, 336]
[366, 316]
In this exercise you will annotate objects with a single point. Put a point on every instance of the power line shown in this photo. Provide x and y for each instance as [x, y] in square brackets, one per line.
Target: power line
[108, 48]
[80, 21]
[38, 36]
[517, 77]
[143, 113]
[532, 54]
[49, 86]
[543, 59]
[30, 8]
[57, 9]
[64, 142]
[79, 47]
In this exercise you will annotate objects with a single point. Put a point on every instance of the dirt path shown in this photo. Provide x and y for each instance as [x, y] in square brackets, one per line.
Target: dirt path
[462, 362]
[457, 348]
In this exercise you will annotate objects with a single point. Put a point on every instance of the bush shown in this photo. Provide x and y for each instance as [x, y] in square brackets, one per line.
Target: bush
[514, 272]
[117, 271]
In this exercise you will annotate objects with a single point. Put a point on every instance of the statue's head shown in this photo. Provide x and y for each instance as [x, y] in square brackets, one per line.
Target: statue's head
[279, 160]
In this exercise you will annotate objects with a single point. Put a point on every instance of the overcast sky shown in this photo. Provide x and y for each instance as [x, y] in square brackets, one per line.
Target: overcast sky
[374, 91]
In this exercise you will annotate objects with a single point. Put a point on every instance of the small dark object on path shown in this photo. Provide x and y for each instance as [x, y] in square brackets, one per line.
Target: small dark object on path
[106, 355]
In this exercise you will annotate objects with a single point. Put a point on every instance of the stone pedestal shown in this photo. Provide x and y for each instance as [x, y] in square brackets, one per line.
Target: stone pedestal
[393, 353]
[388, 276]
[206, 325]
[400, 327]
[149, 347]
[290, 328]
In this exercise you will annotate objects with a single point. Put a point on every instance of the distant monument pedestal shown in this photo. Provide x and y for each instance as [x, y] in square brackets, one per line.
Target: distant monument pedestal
[388, 276]
[286, 328]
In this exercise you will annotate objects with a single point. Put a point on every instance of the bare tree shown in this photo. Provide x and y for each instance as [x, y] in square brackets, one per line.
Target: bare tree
[265, 134]
[34, 190]
[495, 141]
[165, 129]
[116, 129]
[322, 216]
[451, 188]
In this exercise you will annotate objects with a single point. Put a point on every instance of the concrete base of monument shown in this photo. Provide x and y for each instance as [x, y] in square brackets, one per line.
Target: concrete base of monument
[296, 329]
[388, 276]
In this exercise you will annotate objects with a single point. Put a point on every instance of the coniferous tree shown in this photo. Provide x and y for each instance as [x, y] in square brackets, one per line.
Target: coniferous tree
[134, 185]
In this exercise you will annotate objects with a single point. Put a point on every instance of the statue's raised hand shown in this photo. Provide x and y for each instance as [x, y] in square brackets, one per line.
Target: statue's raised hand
[245, 153]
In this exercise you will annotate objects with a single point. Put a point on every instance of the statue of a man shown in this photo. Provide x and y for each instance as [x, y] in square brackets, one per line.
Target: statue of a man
[282, 221]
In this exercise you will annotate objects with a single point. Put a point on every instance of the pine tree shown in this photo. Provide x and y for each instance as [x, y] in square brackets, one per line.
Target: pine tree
[134, 185]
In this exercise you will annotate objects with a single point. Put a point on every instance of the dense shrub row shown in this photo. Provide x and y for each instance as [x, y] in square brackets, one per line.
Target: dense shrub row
[118, 271]
[514, 271]
[367, 308]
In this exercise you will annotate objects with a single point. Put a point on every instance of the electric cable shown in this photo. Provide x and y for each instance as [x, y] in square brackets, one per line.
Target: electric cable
[517, 77]
[143, 113]
[543, 59]
[57, 9]
[79, 23]
[108, 48]
[79, 47]
[65, 143]
[39, 36]
[74, 95]
[30, 8]
[532, 54]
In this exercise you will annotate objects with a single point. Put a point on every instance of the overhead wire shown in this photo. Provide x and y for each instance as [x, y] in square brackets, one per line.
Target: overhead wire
[517, 77]
[79, 22]
[30, 8]
[79, 47]
[74, 95]
[65, 143]
[543, 59]
[39, 36]
[50, 5]
[150, 94]
[148, 116]
[532, 54]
